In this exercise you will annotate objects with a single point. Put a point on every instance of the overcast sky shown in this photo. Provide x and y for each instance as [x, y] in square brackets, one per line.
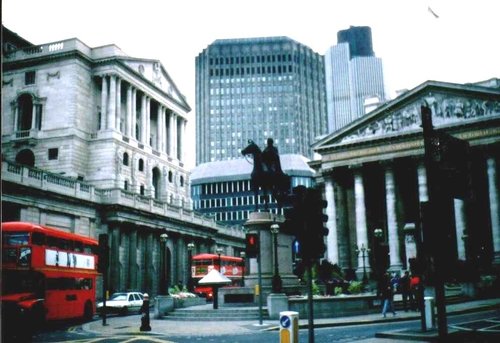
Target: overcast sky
[418, 40]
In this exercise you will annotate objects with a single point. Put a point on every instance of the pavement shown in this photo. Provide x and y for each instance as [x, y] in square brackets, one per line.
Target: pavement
[131, 324]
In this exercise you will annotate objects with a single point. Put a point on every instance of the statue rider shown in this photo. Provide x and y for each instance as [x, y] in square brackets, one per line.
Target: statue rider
[271, 158]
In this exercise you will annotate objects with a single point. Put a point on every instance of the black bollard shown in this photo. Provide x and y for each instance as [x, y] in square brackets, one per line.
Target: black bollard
[145, 314]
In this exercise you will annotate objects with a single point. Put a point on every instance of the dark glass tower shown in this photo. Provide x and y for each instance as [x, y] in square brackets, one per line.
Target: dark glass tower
[359, 39]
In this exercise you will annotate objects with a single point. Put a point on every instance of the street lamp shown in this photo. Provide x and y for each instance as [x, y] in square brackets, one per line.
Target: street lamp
[363, 251]
[243, 265]
[164, 272]
[275, 229]
[190, 248]
[219, 252]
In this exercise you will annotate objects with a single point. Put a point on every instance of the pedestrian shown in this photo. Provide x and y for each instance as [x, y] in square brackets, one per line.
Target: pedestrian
[415, 291]
[387, 296]
[406, 292]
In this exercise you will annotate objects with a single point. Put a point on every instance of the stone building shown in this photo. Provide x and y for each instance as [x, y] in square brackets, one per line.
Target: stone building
[93, 142]
[374, 177]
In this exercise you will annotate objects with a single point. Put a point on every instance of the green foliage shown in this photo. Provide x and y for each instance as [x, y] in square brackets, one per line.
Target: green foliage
[176, 289]
[337, 291]
[355, 287]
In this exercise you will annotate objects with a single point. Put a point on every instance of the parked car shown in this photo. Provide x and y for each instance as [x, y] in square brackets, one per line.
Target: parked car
[122, 303]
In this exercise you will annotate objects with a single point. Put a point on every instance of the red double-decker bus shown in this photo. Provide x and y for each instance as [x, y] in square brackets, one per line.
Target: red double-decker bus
[231, 267]
[47, 274]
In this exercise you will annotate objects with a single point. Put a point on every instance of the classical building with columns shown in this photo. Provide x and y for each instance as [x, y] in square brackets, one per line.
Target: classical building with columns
[374, 178]
[93, 142]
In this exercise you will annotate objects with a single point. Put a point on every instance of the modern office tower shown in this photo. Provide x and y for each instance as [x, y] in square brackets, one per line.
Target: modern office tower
[256, 88]
[353, 77]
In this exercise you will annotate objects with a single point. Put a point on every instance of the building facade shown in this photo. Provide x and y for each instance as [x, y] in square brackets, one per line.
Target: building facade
[97, 140]
[254, 89]
[374, 178]
[353, 75]
[222, 189]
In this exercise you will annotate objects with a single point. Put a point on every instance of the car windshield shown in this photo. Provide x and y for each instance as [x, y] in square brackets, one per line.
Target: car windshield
[118, 296]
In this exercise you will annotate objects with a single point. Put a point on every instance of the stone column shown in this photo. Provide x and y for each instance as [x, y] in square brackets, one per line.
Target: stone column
[132, 263]
[174, 136]
[171, 134]
[148, 261]
[143, 120]
[112, 102]
[331, 239]
[392, 223]
[159, 128]
[128, 125]
[114, 256]
[104, 102]
[460, 227]
[148, 121]
[361, 228]
[118, 104]
[133, 118]
[422, 183]
[494, 207]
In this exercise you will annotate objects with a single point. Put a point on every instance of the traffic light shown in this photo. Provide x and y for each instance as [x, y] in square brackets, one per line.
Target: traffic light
[313, 244]
[294, 216]
[252, 245]
[103, 263]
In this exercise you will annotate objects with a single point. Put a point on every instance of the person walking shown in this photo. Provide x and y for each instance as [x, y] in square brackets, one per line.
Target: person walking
[406, 292]
[387, 296]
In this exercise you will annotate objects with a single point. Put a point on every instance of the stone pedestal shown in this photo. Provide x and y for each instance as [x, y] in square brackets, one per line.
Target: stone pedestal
[276, 303]
[260, 222]
[163, 305]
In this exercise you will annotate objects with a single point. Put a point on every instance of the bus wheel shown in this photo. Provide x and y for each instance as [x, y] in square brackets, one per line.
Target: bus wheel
[88, 311]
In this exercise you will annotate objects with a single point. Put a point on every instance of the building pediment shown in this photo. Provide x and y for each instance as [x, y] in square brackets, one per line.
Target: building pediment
[451, 104]
[154, 72]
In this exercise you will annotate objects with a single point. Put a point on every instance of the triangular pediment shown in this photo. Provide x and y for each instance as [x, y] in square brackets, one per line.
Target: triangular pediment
[451, 104]
[154, 72]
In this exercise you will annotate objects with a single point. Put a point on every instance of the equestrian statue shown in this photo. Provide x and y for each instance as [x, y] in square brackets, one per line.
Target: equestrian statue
[267, 174]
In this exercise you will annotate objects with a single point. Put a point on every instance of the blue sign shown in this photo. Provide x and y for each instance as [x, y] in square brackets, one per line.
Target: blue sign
[285, 322]
[296, 246]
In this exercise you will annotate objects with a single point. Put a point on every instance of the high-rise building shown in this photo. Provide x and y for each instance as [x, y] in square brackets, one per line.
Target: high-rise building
[256, 88]
[353, 77]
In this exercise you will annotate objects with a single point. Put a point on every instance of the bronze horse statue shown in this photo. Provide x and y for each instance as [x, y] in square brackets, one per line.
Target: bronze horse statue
[267, 175]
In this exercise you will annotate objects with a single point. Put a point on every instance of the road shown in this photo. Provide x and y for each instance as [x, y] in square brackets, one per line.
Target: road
[73, 332]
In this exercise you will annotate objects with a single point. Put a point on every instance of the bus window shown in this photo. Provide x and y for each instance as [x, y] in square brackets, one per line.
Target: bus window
[16, 238]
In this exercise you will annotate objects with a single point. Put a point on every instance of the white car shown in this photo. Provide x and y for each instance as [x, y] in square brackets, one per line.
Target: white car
[123, 303]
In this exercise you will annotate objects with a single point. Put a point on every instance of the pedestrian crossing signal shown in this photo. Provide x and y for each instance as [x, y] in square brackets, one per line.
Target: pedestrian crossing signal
[252, 245]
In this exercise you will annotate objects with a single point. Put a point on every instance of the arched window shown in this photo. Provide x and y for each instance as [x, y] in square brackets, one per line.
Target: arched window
[181, 181]
[125, 159]
[141, 165]
[26, 157]
[170, 176]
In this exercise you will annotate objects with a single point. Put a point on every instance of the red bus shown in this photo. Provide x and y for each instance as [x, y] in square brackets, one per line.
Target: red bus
[232, 267]
[47, 274]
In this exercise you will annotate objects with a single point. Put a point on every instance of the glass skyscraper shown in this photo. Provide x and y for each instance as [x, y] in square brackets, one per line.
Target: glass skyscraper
[256, 88]
[352, 74]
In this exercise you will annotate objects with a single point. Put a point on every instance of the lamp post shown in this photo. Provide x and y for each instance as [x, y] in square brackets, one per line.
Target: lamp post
[164, 272]
[363, 251]
[219, 252]
[243, 269]
[275, 229]
[190, 248]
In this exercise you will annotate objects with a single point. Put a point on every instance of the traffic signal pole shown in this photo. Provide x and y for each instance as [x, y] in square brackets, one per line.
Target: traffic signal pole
[436, 197]
[259, 271]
